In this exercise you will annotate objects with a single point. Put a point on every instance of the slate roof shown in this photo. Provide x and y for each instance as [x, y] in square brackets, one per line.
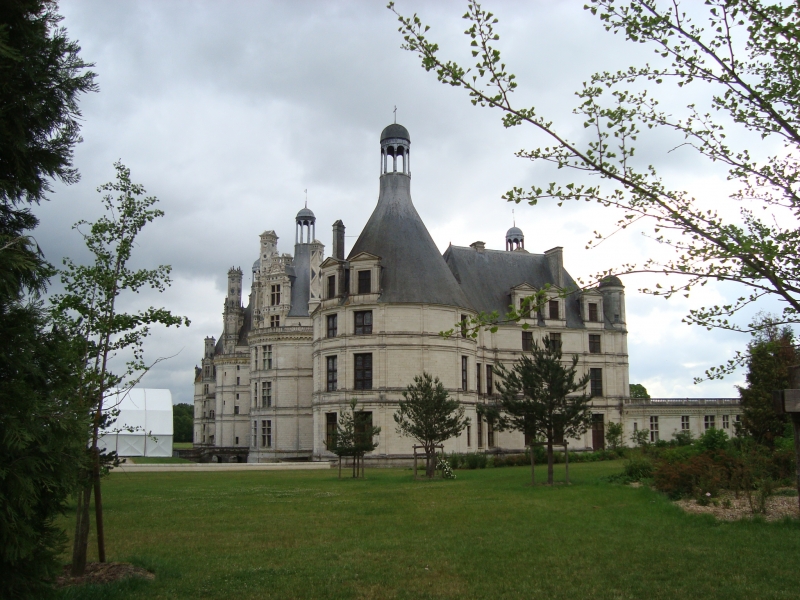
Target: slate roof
[413, 269]
[395, 131]
[487, 278]
[300, 274]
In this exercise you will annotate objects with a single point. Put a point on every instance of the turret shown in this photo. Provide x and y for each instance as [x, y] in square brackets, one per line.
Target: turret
[515, 239]
[613, 300]
[234, 298]
[395, 151]
[209, 350]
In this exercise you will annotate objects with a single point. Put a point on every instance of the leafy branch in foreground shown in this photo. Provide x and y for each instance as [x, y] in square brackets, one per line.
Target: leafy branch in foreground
[745, 67]
[89, 309]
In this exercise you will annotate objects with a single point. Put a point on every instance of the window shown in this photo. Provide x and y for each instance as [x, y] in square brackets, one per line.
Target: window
[330, 429]
[363, 371]
[332, 375]
[489, 388]
[237, 396]
[708, 421]
[553, 309]
[205, 388]
[593, 312]
[653, 429]
[266, 434]
[254, 436]
[363, 423]
[555, 338]
[266, 353]
[469, 436]
[594, 343]
[364, 282]
[463, 326]
[331, 320]
[478, 377]
[331, 286]
[726, 423]
[255, 358]
[236, 410]
[635, 426]
[237, 440]
[237, 367]
[266, 394]
[685, 423]
[489, 435]
[363, 322]
[463, 373]
[275, 321]
[480, 432]
[527, 341]
[737, 418]
[237, 381]
[596, 378]
[275, 296]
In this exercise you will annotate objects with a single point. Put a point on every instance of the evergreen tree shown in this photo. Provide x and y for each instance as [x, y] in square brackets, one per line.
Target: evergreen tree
[639, 391]
[355, 436]
[430, 416]
[535, 398]
[182, 422]
[769, 357]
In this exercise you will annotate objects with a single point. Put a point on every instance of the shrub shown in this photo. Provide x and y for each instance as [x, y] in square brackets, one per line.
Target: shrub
[638, 468]
[713, 439]
[683, 438]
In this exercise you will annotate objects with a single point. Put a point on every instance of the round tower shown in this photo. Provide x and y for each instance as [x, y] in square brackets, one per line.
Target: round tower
[395, 150]
[613, 299]
[515, 239]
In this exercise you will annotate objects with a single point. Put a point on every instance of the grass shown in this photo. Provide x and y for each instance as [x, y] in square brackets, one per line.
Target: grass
[156, 460]
[487, 534]
[182, 445]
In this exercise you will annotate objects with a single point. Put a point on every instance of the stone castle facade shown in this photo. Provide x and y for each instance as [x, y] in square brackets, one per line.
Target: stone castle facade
[319, 331]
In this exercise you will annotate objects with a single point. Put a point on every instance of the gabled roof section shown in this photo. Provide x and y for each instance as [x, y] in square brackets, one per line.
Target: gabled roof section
[524, 286]
[330, 262]
[413, 269]
[488, 277]
[363, 256]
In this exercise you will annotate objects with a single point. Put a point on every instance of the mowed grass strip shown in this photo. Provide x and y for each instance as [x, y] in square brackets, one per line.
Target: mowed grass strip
[487, 534]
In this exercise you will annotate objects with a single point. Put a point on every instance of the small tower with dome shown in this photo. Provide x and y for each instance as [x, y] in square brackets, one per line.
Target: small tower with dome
[515, 239]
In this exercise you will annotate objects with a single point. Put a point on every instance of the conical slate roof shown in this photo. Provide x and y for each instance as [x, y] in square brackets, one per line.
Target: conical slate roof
[413, 270]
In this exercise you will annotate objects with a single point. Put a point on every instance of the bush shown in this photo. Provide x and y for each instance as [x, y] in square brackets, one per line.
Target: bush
[638, 468]
[713, 439]
[683, 438]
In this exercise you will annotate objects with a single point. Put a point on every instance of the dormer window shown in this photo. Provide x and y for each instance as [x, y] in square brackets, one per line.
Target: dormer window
[593, 312]
[552, 307]
[331, 286]
[364, 282]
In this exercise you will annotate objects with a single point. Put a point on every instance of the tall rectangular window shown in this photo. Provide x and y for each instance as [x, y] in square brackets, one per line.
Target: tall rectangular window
[331, 371]
[593, 312]
[266, 394]
[364, 282]
[363, 371]
[726, 422]
[331, 286]
[362, 424]
[254, 436]
[489, 435]
[489, 388]
[594, 343]
[478, 378]
[266, 354]
[469, 436]
[236, 409]
[332, 325]
[653, 429]
[685, 423]
[266, 434]
[275, 295]
[596, 379]
[480, 431]
[555, 338]
[330, 429]
[709, 421]
[275, 321]
[553, 309]
[464, 374]
[463, 326]
[363, 322]
[527, 341]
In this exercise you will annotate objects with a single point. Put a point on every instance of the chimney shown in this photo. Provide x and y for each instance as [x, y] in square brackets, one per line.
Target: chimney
[555, 260]
[338, 240]
[479, 246]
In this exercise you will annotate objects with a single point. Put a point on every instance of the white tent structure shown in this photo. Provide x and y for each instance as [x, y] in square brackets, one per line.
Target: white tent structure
[143, 426]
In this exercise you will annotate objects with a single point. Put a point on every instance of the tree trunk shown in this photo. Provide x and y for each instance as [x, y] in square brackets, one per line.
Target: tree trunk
[533, 475]
[549, 462]
[81, 542]
[98, 509]
[430, 459]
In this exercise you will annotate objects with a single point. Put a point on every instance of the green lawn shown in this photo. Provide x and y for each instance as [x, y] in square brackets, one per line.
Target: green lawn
[486, 535]
[182, 445]
[156, 460]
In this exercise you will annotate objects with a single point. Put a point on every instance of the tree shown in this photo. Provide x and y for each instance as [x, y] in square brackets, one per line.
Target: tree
[183, 422]
[614, 433]
[769, 356]
[355, 436]
[637, 390]
[89, 309]
[744, 73]
[535, 398]
[41, 422]
[430, 416]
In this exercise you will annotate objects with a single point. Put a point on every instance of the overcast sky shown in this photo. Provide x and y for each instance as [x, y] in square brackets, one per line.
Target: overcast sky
[229, 111]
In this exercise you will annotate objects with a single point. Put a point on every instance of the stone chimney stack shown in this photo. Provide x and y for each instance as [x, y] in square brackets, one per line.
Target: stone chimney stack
[555, 260]
[338, 240]
[479, 246]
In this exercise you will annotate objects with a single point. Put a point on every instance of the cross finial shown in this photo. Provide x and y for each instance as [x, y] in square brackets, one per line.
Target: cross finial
[395, 114]
[513, 217]
[306, 191]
